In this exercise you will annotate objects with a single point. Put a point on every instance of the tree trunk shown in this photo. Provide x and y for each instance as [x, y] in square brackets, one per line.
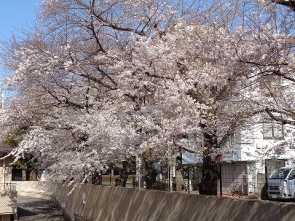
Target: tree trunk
[151, 174]
[208, 185]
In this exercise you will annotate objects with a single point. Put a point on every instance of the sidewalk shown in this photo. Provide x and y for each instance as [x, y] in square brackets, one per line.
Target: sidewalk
[34, 209]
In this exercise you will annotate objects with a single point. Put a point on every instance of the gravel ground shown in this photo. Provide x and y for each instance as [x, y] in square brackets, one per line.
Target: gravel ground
[35, 209]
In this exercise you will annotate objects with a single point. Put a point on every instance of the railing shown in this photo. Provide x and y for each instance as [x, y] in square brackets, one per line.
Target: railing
[8, 202]
[4, 187]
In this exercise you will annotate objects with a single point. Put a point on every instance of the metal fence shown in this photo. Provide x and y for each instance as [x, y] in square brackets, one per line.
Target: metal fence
[4, 187]
[239, 180]
[235, 179]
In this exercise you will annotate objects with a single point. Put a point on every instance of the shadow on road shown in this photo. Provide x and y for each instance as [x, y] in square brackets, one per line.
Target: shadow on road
[23, 212]
[30, 208]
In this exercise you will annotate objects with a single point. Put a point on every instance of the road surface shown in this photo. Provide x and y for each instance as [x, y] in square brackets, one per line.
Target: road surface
[34, 209]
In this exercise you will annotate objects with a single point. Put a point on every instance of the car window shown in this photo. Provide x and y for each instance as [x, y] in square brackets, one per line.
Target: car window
[280, 173]
[292, 175]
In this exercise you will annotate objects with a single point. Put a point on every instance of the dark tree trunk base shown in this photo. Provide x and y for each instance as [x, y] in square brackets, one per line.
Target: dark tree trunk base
[208, 185]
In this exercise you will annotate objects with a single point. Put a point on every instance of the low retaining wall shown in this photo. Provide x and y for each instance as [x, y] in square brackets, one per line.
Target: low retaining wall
[96, 203]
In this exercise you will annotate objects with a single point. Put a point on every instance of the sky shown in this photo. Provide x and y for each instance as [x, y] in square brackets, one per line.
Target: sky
[16, 15]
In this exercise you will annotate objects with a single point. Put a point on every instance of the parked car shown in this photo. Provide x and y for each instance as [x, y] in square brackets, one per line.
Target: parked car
[281, 184]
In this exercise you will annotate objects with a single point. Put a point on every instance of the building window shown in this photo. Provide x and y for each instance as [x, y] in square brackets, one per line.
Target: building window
[194, 142]
[272, 131]
[234, 139]
[270, 84]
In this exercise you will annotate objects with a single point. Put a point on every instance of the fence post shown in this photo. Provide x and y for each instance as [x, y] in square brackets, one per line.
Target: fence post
[265, 197]
[188, 180]
[220, 177]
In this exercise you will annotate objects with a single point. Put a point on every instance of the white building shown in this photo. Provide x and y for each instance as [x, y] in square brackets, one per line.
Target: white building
[253, 154]
[250, 156]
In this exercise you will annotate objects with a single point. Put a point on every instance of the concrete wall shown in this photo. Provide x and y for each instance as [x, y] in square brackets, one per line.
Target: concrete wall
[116, 203]
[5, 217]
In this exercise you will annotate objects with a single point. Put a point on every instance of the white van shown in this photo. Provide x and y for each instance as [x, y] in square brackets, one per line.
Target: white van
[281, 184]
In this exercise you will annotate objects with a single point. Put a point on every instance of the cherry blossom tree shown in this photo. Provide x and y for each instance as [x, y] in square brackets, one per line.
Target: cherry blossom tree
[101, 80]
[67, 73]
[224, 73]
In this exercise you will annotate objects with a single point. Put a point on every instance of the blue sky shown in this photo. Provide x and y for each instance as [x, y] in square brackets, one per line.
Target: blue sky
[16, 15]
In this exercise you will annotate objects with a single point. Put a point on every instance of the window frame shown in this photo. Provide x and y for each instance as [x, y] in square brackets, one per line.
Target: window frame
[273, 128]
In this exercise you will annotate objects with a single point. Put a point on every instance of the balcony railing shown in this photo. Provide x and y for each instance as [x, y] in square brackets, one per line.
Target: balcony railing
[5, 187]
[8, 201]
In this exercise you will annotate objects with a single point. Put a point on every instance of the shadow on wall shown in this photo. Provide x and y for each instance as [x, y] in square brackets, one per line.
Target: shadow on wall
[116, 203]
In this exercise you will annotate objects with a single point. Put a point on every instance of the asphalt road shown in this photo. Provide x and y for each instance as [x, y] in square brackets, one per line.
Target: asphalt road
[34, 209]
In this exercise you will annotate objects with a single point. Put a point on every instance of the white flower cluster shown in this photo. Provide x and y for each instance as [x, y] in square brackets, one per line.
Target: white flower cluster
[112, 80]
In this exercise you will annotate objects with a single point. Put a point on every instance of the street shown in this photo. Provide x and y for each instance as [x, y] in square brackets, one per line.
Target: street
[34, 209]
